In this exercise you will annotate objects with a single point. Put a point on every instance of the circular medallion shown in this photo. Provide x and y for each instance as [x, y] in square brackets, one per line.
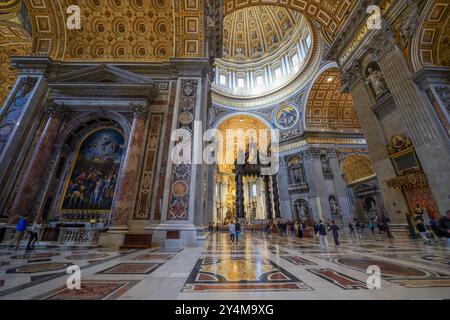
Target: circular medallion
[186, 117]
[179, 188]
[286, 116]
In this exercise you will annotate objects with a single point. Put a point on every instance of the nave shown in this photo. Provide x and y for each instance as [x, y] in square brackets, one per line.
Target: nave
[259, 267]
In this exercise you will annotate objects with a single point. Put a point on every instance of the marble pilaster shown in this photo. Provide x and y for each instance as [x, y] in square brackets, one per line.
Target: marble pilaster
[428, 137]
[126, 185]
[35, 171]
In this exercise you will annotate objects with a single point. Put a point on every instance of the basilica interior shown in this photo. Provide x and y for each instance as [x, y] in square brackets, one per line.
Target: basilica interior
[348, 103]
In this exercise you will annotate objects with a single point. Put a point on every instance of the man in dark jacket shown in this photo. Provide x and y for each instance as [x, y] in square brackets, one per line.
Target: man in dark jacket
[444, 226]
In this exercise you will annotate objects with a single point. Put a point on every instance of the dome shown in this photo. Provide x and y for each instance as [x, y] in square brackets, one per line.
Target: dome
[265, 49]
[256, 32]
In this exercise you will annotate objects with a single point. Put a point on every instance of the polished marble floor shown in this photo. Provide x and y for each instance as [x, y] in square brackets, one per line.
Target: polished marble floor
[259, 267]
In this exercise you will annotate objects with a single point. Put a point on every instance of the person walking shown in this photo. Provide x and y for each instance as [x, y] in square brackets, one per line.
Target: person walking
[322, 235]
[371, 226]
[300, 229]
[444, 226]
[422, 230]
[352, 229]
[232, 229]
[238, 231]
[335, 232]
[20, 231]
[34, 234]
[315, 228]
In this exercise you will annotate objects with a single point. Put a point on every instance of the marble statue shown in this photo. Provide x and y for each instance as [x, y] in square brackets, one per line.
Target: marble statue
[302, 211]
[376, 80]
[334, 206]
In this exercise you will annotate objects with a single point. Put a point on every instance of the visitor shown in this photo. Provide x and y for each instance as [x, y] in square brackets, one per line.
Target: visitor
[352, 229]
[316, 228]
[322, 235]
[232, 228]
[335, 232]
[34, 234]
[422, 230]
[300, 230]
[444, 226]
[238, 231]
[386, 222]
[20, 231]
[217, 227]
[371, 226]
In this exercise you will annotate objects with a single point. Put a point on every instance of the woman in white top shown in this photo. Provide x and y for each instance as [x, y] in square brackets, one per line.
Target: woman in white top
[34, 233]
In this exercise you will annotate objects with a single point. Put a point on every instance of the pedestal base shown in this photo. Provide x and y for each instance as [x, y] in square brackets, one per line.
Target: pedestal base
[114, 238]
[174, 235]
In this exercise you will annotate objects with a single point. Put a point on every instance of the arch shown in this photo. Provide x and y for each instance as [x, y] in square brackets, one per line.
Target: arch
[430, 44]
[327, 106]
[238, 121]
[331, 15]
[357, 168]
[84, 121]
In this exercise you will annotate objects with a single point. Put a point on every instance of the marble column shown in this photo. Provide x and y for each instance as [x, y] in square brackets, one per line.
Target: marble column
[239, 197]
[35, 171]
[276, 197]
[393, 199]
[125, 190]
[316, 183]
[268, 198]
[340, 187]
[283, 184]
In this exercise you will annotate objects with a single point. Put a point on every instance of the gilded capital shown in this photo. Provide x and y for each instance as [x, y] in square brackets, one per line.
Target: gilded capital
[57, 111]
[140, 111]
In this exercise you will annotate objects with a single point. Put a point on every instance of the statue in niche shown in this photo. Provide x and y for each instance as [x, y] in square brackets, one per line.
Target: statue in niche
[302, 211]
[375, 79]
[325, 163]
[334, 207]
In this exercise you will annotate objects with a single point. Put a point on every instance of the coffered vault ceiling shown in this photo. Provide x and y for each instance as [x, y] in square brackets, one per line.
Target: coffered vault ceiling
[256, 32]
[328, 107]
[119, 30]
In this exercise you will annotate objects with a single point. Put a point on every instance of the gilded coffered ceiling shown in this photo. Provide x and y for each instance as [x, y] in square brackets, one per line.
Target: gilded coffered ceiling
[328, 107]
[119, 30]
[357, 168]
[331, 14]
[256, 32]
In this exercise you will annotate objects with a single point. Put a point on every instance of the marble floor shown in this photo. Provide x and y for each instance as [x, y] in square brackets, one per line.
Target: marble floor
[257, 268]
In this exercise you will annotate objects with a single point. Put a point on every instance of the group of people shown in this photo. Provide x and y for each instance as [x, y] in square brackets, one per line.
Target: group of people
[235, 231]
[439, 229]
[21, 229]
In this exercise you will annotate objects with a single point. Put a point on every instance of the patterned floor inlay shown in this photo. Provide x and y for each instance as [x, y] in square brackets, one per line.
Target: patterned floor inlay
[40, 267]
[91, 290]
[298, 261]
[132, 268]
[240, 274]
[38, 255]
[339, 279]
[87, 256]
[423, 283]
[155, 256]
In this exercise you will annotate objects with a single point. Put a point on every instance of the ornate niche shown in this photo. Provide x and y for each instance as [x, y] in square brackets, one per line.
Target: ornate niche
[375, 80]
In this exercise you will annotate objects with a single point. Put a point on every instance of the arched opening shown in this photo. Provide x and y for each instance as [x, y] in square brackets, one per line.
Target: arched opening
[244, 141]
